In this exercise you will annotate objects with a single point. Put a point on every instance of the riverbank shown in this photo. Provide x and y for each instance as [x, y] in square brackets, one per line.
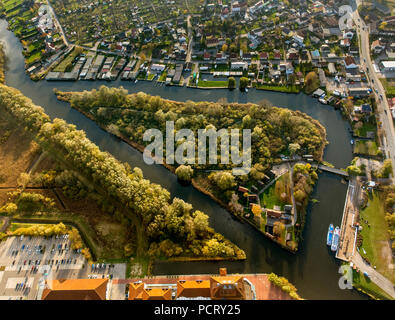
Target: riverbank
[263, 256]
[207, 185]
[264, 288]
[205, 243]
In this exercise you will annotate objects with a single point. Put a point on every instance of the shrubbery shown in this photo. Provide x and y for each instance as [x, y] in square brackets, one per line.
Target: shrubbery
[285, 285]
[273, 129]
[160, 217]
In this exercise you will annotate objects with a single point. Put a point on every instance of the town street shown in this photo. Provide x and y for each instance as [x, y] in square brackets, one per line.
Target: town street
[382, 103]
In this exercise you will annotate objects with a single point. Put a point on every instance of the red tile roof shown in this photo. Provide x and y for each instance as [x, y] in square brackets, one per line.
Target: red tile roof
[75, 289]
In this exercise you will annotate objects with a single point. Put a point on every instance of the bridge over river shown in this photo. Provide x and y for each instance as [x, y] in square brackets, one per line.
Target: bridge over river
[331, 170]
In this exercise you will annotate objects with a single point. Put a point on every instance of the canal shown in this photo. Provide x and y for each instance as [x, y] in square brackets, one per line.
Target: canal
[313, 270]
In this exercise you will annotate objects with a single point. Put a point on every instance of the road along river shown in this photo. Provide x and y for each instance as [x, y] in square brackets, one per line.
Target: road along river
[313, 270]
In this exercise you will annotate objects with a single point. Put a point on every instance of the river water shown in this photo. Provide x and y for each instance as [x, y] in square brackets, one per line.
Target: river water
[313, 270]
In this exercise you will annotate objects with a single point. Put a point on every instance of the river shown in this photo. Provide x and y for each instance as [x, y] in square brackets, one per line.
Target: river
[313, 270]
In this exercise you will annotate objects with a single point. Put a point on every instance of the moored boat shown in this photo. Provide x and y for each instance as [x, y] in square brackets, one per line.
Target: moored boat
[329, 236]
[335, 241]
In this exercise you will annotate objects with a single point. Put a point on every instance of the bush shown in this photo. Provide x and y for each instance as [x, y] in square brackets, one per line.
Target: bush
[33, 202]
[184, 173]
[285, 285]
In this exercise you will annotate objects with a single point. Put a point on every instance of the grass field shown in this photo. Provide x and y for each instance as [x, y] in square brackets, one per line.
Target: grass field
[290, 89]
[365, 284]
[269, 198]
[212, 84]
[389, 86]
[366, 127]
[366, 147]
[65, 63]
[376, 237]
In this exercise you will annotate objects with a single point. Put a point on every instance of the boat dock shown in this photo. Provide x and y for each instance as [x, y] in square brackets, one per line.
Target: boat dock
[348, 233]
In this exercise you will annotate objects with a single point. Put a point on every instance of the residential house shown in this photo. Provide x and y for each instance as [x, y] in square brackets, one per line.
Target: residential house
[366, 108]
[212, 42]
[315, 55]
[239, 65]
[299, 39]
[293, 54]
[377, 47]
[387, 66]
[178, 73]
[157, 68]
[350, 63]
[348, 34]
[263, 56]
[332, 68]
[345, 43]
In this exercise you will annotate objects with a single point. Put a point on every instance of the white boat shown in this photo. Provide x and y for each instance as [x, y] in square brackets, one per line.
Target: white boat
[322, 100]
[335, 241]
[135, 81]
[246, 90]
[329, 236]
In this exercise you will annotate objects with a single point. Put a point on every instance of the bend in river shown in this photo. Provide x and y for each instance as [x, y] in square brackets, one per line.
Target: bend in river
[313, 270]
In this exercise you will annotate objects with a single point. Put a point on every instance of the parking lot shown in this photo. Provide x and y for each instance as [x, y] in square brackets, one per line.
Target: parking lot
[26, 262]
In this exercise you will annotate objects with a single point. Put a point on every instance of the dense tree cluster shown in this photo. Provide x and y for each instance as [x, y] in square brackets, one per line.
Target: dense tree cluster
[160, 218]
[32, 202]
[41, 230]
[274, 130]
[304, 178]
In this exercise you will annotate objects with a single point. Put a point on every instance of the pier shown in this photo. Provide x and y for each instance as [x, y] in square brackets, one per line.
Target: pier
[348, 233]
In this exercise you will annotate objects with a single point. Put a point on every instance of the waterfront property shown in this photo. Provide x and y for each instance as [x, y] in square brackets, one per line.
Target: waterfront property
[205, 287]
[327, 209]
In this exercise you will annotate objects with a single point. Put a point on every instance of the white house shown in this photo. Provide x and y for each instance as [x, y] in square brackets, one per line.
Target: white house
[348, 34]
[387, 65]
[239, 65]
[299, 39]
[157, 67]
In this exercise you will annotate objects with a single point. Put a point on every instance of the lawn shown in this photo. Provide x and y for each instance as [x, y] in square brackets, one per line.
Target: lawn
[66, 62]
[212, 84]
[366, 127]
[289, 89]
[163, 76]
[365, 284]
[270, 198]
[376, 238]
[34, 57]
[389, 86]
[366, 147]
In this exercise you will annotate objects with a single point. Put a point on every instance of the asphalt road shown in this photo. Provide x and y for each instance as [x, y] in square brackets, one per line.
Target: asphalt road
[383, 109]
